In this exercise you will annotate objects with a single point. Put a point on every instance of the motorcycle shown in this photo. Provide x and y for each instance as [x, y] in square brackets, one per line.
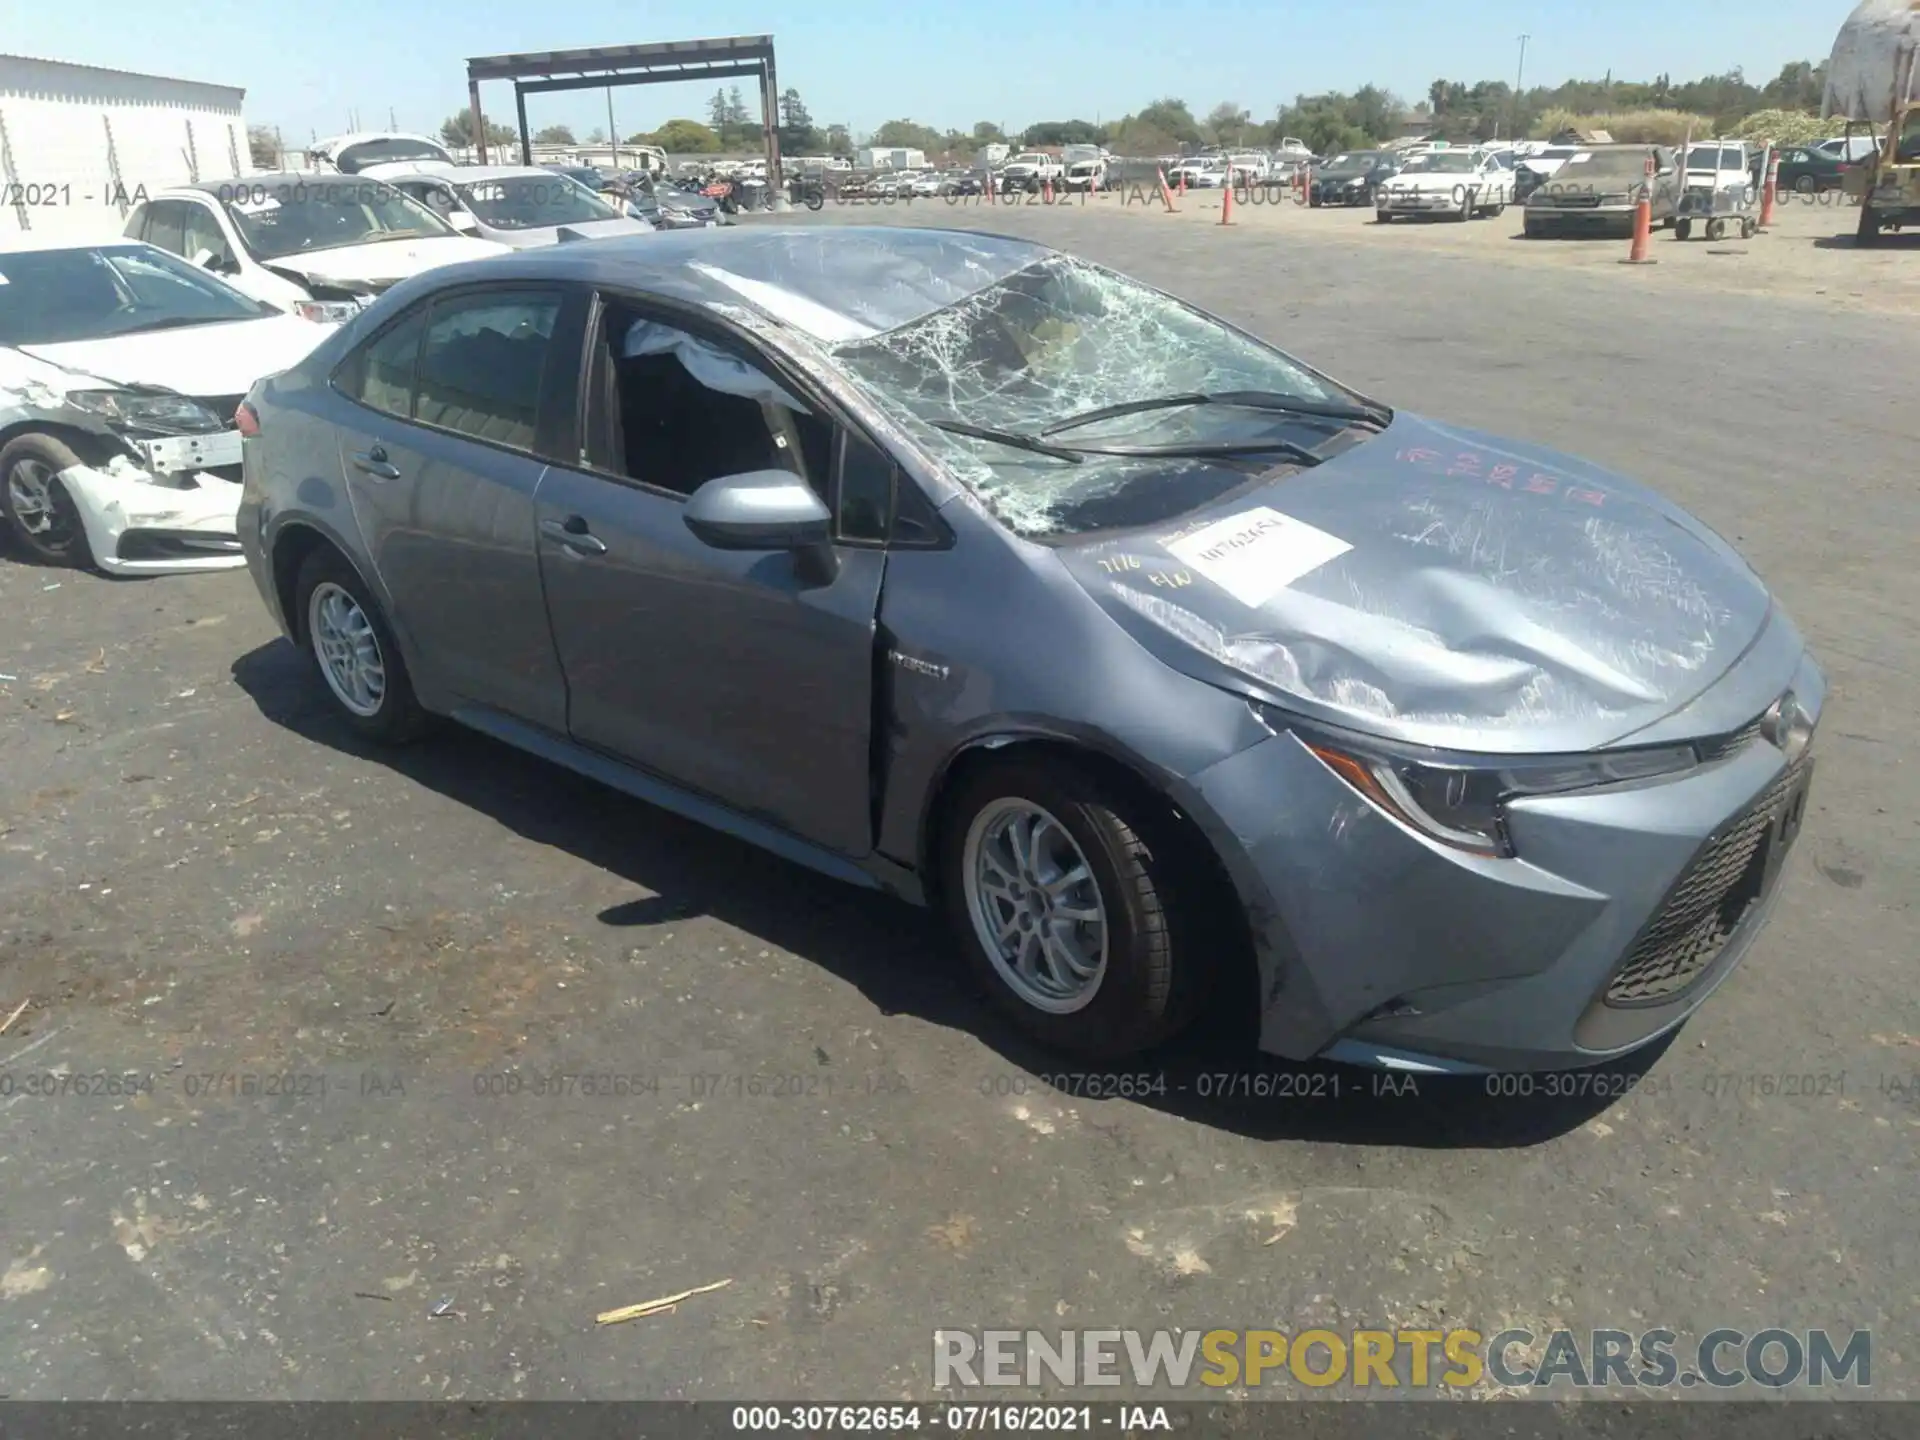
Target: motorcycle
[807, 192]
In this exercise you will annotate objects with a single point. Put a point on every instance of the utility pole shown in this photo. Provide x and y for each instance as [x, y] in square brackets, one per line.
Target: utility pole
[1519, 76]
[613, 135]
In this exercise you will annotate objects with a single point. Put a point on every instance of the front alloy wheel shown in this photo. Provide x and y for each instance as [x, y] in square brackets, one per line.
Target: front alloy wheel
[1036, 907]
[1066, 890]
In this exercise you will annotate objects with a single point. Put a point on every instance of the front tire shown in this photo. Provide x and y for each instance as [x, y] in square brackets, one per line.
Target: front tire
[1068, 906]
[352, 646]
[39, 511]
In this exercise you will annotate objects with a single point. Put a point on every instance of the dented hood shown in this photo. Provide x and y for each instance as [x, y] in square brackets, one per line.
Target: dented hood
[197, 360]
[1441, 586]
[385, 261]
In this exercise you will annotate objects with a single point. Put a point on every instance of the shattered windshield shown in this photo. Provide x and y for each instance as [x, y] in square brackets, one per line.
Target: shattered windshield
[1061, 337]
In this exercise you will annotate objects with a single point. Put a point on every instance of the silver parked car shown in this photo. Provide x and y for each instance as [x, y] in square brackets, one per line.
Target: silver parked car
[960, 568]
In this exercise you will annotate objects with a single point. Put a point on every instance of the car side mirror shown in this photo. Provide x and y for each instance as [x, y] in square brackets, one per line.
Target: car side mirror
[760, 510]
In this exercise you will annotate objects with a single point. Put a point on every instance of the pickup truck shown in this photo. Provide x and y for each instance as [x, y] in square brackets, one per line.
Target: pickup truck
[1031, 170]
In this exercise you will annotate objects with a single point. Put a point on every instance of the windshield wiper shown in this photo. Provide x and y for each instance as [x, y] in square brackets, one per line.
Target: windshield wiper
[1076, 454]
[1012, 438]
[1202, 451]
[1373, 415]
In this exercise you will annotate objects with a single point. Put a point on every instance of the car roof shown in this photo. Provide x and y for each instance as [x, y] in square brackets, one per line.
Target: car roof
[461, 174]
[848, 280]
[273, 179]
[359, 137]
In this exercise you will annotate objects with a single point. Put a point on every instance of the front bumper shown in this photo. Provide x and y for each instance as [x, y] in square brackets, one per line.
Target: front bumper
[1441, 202]
[153, 522]
[1624, 909]
[1581, 220]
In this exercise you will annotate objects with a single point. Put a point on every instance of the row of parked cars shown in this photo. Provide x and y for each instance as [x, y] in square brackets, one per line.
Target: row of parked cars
[122, 360]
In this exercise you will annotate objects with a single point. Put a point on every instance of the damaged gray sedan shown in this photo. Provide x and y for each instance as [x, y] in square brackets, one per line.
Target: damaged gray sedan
[1156, 660]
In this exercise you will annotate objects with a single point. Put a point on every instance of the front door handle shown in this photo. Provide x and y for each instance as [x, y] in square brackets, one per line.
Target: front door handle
[374, 463]
[572, 532]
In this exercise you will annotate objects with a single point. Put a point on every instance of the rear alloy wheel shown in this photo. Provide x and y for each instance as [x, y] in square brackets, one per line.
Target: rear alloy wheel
[354, 650]
[39, 511]
[1805, 185]
[1067, 911]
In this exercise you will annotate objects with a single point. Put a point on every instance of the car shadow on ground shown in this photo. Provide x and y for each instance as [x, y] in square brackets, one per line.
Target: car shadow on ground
[1887, 240]
[894, 954]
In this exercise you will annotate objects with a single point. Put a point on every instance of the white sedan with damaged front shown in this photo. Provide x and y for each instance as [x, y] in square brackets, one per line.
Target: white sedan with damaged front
[1457, 183]
[120, 371]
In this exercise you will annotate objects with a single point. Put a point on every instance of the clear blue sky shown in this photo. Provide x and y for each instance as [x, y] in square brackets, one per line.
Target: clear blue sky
[305, 65]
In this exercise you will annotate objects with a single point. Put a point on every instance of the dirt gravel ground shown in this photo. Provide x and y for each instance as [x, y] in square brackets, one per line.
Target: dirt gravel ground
[1807, 253]
[324, 966]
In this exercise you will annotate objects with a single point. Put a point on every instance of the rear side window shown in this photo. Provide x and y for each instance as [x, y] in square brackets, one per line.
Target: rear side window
[481, 365]
[380, 373]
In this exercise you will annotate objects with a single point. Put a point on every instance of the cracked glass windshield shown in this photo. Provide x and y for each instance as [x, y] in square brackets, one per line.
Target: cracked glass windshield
[1059, 338]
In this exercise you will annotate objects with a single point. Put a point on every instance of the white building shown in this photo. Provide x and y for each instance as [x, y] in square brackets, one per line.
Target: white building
[80, 146]
[881, 157]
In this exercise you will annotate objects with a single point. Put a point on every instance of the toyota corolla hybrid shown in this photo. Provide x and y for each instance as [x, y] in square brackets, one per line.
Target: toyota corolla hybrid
[960, 568]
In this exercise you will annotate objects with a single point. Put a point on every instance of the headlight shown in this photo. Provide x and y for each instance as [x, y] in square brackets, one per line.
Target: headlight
[122, 408]
[327, 312]
[1463, 804]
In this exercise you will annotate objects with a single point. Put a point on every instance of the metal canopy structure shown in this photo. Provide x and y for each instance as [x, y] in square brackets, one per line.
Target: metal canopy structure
[607, 66]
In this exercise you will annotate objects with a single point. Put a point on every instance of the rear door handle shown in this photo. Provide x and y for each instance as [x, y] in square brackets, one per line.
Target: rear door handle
[572, 532]
[374, 463]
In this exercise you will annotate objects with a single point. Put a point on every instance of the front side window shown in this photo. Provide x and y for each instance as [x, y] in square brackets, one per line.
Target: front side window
[167, 225]
[680, 410]
[204, 236]
[481, 365]
[51, 296]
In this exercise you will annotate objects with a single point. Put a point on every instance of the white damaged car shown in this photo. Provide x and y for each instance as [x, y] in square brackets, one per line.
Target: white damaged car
[320, 246]
[120, 371]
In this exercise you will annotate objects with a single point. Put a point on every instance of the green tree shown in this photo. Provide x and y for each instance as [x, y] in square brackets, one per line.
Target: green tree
[839, 140]
[596, 136]
[797, 133]
[1170, 117]
[1061, 132]
[906, 134]
[985, 132]
[1228, 124]
[682, 137]
[456, 131]
[555, 135]
[263, 148]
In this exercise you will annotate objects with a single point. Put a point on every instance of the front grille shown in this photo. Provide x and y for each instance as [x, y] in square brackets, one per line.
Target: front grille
[1705, 908]
[1723, 746]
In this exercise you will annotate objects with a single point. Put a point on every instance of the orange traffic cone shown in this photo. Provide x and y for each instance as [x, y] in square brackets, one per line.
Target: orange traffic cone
[1226, 202]
[1046, 190]
[1166, 195]
[1642, 233]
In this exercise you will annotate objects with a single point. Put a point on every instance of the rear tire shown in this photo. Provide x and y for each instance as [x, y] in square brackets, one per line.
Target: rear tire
[343, 629]
[39, 512]
[1098, 992]
[1682, 229]
[1869, 231]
